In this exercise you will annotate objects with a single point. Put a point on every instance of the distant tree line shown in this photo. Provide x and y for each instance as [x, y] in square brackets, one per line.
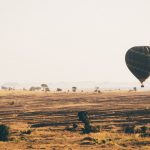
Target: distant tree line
[44, 87]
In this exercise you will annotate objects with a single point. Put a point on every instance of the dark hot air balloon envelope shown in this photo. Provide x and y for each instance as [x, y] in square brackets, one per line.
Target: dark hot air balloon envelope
[138, 61]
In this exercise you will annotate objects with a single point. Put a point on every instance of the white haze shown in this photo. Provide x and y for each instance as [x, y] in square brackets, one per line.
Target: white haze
[70, 40]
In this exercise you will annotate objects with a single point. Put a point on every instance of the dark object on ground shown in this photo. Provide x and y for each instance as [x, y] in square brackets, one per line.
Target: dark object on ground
[74, 127]
[83, 116]
[130, 129]
[144, 129]
[4, 133]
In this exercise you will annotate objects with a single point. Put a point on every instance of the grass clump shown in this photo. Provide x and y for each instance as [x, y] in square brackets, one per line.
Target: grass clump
[26, 132]
[73, 127]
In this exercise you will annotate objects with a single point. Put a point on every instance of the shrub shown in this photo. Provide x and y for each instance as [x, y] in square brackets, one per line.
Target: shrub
[4, 133]
[130, 129]
[144, 129]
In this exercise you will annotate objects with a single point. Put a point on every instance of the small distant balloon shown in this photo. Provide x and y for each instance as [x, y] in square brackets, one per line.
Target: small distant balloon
[138, 61]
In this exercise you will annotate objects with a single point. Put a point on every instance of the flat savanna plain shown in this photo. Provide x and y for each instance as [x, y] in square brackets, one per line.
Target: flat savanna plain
[48, 114]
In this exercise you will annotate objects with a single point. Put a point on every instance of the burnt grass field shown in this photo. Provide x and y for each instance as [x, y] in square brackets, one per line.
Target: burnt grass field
[39, 120]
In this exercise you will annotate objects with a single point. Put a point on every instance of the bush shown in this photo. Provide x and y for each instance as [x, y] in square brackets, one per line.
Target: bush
[4, 133]
[144, 129]
[130, 129]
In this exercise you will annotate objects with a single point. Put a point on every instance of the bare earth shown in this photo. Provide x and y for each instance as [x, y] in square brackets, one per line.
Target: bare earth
[48, 114]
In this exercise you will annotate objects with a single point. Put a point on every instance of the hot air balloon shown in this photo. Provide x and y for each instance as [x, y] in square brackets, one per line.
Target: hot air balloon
[138, 61]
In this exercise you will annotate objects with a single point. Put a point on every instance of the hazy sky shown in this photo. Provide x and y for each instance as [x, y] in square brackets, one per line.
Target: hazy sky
[70, 40]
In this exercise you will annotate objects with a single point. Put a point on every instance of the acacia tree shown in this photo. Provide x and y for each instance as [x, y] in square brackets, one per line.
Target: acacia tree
[74, 89]
[96, 89]
[58, 89]
[45, 87]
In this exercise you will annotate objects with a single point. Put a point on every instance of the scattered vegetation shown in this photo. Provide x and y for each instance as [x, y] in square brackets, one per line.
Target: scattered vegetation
[40, 124]
[143, 130]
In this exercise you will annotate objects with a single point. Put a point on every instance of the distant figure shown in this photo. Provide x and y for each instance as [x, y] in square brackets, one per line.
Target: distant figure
[74, 89]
